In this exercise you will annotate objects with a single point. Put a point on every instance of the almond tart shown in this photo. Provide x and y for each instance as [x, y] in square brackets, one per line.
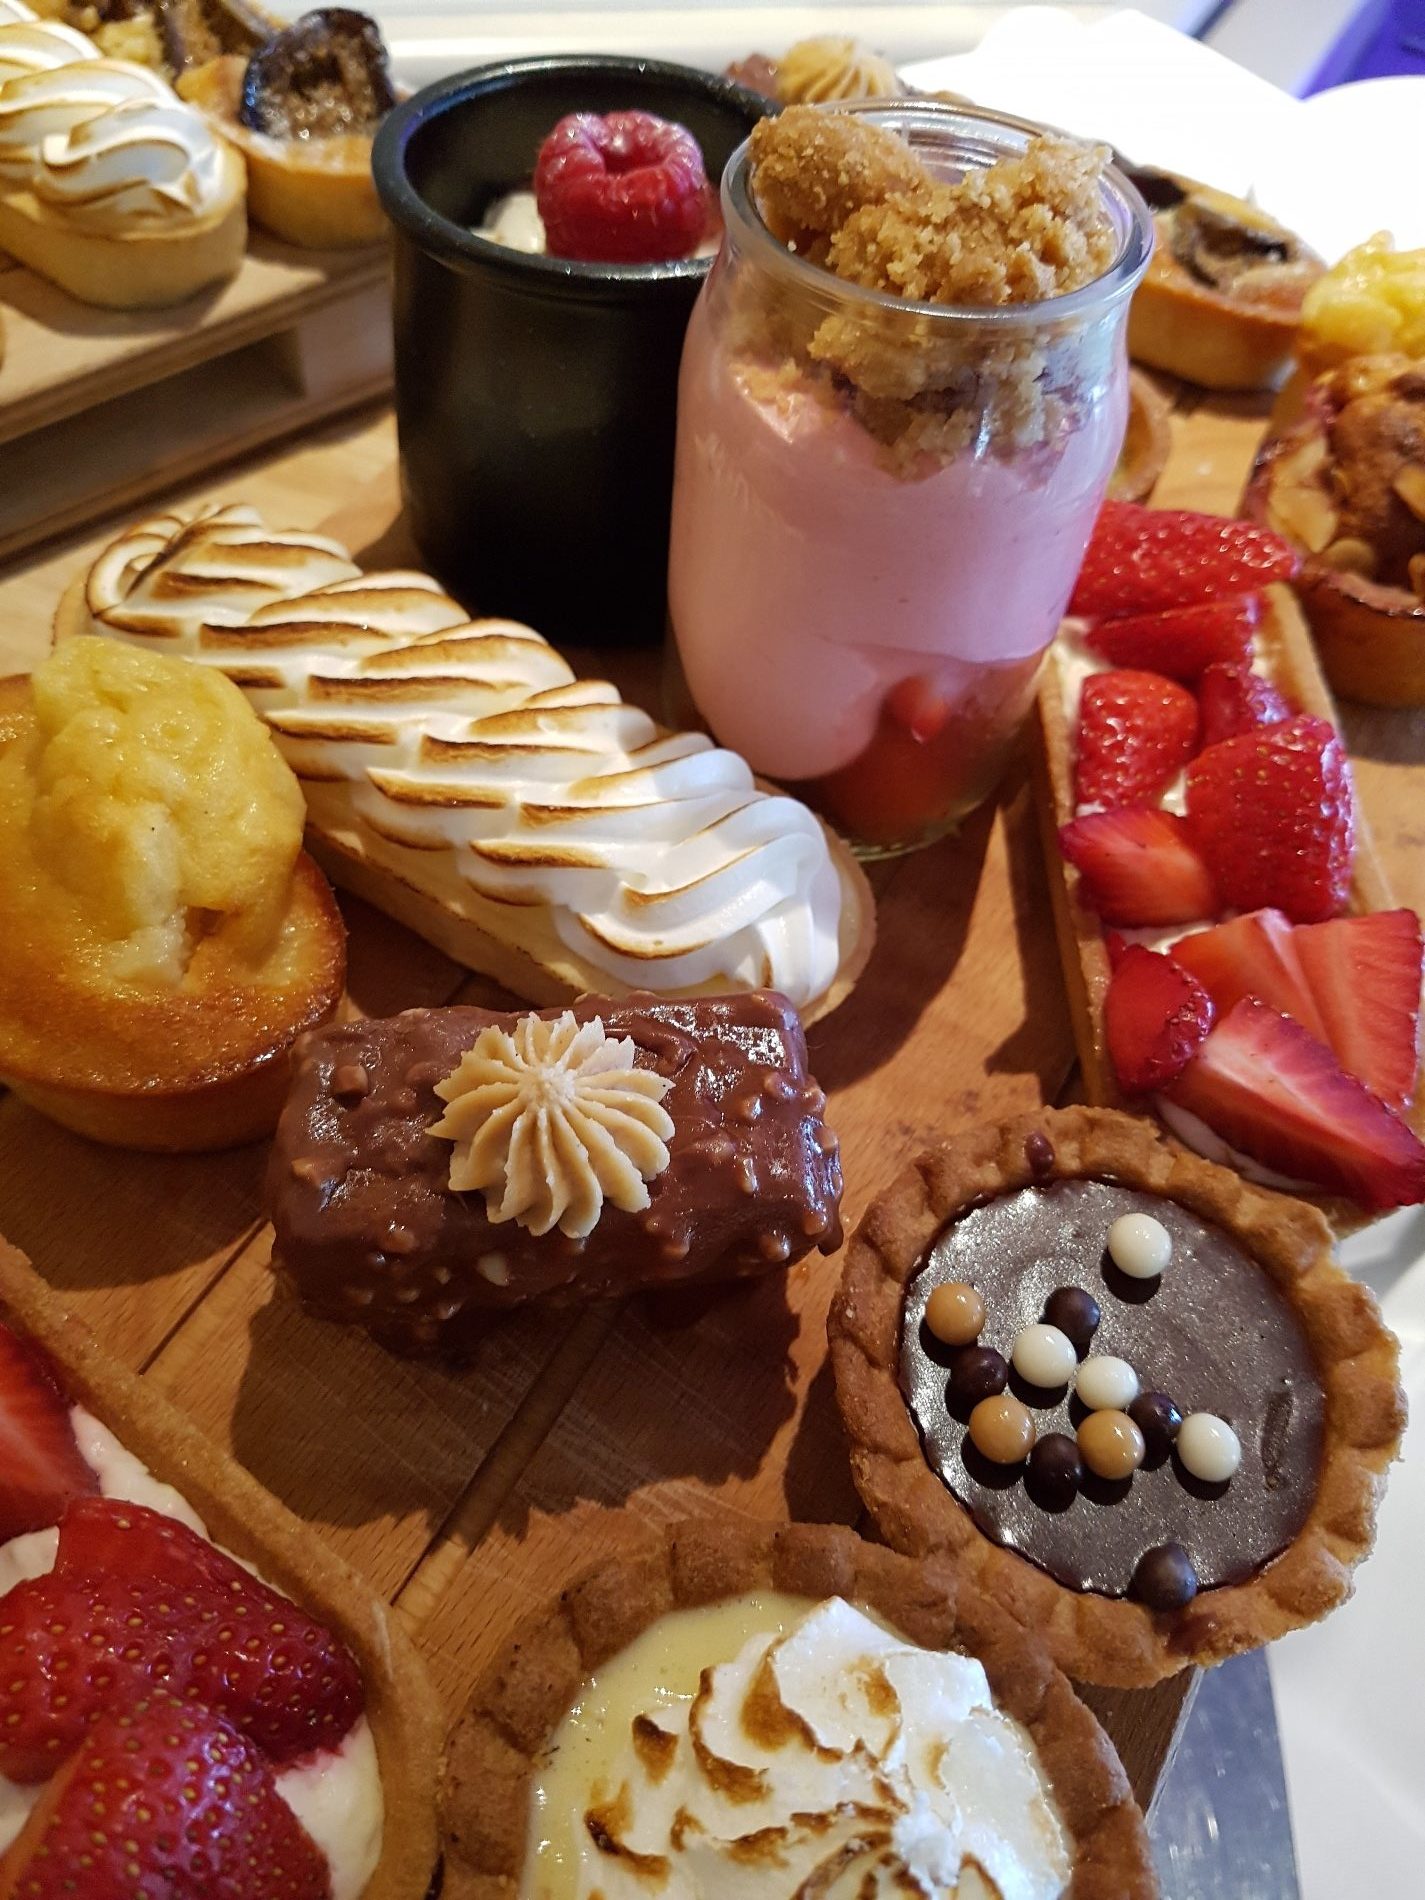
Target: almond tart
[1346, 485]
[400, 1706]
[1149, 1555]
[1220, 302]
[713, 1582]
[129, 1011]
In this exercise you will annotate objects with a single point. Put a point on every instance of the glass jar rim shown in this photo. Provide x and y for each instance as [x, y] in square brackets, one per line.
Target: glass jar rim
[740, 214]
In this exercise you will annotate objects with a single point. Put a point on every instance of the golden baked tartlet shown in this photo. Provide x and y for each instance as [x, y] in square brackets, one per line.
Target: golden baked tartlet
[1220, 302]
[783, 1709]
[1132, 1397]
[166, 939]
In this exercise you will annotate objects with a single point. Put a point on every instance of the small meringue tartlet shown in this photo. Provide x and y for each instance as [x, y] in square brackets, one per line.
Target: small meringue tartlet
[166, 938]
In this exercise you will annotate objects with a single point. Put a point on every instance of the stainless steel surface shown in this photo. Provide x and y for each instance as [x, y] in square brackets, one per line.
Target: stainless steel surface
[1221, 1828]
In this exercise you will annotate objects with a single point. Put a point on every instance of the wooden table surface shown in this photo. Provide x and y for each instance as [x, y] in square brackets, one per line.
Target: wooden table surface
[466, 1495]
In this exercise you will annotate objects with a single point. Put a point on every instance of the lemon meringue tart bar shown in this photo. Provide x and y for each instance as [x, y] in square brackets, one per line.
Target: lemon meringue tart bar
[751, 1711]
[436, 1169]
[532, 825]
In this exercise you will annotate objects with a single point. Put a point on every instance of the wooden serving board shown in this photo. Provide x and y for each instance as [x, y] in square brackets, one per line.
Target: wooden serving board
[468, 1496]
[99, 409]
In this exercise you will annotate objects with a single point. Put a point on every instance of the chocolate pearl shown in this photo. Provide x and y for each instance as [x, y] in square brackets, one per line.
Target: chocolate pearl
[1209, 1448]
[1043, 1356]
[1002, 1429]
[1055, 1469]
[1164, 1578]
[979, 1372]
[1075, 1313]
[1106, 1383]
[1158, 1419]
[1039, 1153]
[1111, 1445]
[955, 1313]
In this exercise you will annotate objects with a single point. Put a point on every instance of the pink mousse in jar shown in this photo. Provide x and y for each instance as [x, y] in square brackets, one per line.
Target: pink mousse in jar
[881, 503]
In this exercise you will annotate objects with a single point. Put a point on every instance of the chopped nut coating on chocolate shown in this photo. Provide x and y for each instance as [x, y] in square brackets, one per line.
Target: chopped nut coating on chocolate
[369, 1229]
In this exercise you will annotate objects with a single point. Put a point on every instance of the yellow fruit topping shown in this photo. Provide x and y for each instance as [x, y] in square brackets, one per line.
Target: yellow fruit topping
[1371, 303]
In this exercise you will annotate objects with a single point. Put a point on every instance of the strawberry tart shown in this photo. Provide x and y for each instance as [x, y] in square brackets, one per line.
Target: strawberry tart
[1234, 958]
[170, 1722]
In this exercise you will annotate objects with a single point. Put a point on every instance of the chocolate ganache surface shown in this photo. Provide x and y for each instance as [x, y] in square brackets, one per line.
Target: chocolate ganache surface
[370, 1231]
[1213, 1333]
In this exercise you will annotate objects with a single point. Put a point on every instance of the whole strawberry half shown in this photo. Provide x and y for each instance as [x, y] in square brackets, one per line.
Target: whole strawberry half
[137, 1602]
[1272, 1091]
[1233, 699]
[1138, 866]
[40, 1465]
[164, 1800]
[1136, 733]
[1181, 641]
[625, 188]
[1145, 560]
[1273, 814]
[1155, 1019]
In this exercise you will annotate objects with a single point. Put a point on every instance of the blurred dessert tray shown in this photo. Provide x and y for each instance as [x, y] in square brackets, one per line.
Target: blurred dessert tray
[465, 1495]
[99, 409]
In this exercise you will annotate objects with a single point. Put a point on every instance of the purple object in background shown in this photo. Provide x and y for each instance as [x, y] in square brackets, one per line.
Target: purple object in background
[1386, 36]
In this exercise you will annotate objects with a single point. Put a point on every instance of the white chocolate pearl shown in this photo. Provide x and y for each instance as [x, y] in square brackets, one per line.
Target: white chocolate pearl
[1141, 1246]
[1044, 1356]
[1106, 1384]
[1209, 1448]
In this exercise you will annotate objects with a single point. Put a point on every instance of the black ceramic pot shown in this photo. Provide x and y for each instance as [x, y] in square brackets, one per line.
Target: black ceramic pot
[536, 397]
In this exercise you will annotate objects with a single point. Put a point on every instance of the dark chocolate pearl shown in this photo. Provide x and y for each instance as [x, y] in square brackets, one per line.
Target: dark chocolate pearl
[979, 1372]
[1074, 1312]
[1165, 1578]
[1158, 1419]
[1055, 1470]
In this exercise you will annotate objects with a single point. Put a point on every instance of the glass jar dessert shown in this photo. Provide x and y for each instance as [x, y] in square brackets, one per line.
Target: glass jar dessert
[903, 392]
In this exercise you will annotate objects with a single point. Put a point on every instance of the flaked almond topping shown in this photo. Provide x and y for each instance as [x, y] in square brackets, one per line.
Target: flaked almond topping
[552, 1120]
[1350, 556]
[1409, 484]
[1416, 571]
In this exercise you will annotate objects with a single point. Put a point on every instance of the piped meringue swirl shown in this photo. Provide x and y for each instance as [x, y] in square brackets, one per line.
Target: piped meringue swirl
[144, 162]
[28, 45]
[464, 758]
[50, 102]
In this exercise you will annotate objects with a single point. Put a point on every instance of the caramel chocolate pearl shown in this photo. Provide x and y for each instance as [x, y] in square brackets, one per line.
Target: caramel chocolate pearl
[979, 1372]
[1055, 1469]
[1164, 1578]
[1002, 1429]
[955, 1313]
[1075, 1313]
[1111, 1445]
[1158, 1419]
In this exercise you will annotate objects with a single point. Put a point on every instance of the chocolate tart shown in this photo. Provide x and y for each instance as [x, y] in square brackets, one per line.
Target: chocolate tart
[1252, 1321]
[496, 1749]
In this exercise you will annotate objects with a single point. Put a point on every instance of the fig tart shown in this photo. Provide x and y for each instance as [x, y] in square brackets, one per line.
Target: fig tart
[1131, 1395]
[748, 1710]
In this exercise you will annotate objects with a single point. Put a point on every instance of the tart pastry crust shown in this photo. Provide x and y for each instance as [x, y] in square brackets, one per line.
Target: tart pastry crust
[1100, 1639]
[522, 1697]
[406, 1718]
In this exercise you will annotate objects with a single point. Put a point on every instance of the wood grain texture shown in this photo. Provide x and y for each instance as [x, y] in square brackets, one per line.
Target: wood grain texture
[465, 1495]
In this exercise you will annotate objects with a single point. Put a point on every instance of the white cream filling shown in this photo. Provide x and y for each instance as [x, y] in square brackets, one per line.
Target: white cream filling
[336, 1794]
[514, 221]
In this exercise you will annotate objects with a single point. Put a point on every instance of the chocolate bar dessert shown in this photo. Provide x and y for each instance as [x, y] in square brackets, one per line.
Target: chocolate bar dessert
[437, 1168]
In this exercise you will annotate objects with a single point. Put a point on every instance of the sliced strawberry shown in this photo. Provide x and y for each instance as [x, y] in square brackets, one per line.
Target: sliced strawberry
[1365, 973]
[1138, 866]
[164, 1801]
[1180, 641]
[1255, 955]
[1145, 560]
[82, 1640]
[1273, 814]
[1274, 1092]
[1233, 699]
[1136, 733]
[40, 1465]
[1155, 1018]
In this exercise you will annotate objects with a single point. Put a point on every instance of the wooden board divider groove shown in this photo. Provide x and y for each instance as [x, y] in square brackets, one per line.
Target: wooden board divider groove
[469, 1496]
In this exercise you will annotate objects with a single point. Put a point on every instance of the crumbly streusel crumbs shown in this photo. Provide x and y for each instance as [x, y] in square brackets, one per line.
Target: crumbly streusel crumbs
[811, 170]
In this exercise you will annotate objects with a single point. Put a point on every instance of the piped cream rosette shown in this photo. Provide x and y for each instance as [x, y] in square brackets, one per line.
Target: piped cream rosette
[458, 775]
[109, 184]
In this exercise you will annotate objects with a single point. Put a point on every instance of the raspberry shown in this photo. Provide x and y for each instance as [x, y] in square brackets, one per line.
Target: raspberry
[623, 189]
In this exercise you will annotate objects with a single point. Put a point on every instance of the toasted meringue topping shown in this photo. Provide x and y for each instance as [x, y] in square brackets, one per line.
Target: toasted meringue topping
[464, 759]
[828, 1756]
[553, 1120]
[52, 102]
[149, 161]
[28, 45]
